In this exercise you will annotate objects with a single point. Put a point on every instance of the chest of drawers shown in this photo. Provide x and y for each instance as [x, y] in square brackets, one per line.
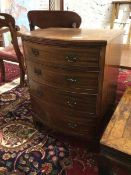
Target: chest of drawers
[72, 77]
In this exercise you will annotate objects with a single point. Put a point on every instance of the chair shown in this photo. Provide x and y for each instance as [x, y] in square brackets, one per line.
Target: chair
[44, 19]
[10, 53]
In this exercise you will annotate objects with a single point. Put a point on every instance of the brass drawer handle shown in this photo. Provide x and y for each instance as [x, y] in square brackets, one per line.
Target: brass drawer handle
[72, 125]
[35, 52]
[71, 102]
[37, 71]
[71, 58]
[72, 79]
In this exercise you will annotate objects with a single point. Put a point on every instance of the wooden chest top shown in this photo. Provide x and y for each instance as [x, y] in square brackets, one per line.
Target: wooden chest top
[118, 132]
[102, 36]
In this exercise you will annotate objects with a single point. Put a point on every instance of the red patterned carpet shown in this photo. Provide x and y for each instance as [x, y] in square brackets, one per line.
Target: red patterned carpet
[12, 72]
[26, 151]
[124, 80]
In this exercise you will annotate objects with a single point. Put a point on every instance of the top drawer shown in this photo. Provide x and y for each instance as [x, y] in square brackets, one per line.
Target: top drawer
[75, 56]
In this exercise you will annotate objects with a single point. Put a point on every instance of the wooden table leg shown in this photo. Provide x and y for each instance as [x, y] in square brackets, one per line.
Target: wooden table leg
[104, 166]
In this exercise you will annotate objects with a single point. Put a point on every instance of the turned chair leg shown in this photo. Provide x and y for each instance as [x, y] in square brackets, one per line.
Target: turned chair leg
[22, 77]
[2, 67]
[22, 72]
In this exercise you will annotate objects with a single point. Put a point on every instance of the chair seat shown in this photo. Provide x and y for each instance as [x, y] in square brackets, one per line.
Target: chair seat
[8, 53]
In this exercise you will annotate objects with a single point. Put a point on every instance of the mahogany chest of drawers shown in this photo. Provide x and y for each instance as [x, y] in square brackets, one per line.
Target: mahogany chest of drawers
[72, 77]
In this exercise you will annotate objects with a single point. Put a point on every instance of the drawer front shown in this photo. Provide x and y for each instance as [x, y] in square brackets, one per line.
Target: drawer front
[70, 101]
[63, 121]
[71, 80]
[39, 111]
[87, 57]
[85, 128]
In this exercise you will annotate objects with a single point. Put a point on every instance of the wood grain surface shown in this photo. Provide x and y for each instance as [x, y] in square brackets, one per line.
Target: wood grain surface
[80, 35]
[73, 76]
[118, 132]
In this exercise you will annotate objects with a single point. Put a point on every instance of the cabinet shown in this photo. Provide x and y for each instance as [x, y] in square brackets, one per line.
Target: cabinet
[72, 77]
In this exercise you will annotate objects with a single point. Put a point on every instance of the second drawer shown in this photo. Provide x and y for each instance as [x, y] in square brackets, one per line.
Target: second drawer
[66, 79]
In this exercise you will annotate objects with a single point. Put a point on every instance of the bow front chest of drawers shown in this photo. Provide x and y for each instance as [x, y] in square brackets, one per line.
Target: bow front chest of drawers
[72, 77]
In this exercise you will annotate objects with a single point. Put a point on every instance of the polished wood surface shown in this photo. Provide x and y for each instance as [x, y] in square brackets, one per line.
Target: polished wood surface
[46, 18]
[88, 57]
[118, 133]
[102, 36]
[72, 77]
[115, 154]
[68, 78]
[74, 101]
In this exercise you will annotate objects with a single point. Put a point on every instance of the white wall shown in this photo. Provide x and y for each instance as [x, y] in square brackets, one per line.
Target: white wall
[57, 4]
[97, 14]
[94, 13]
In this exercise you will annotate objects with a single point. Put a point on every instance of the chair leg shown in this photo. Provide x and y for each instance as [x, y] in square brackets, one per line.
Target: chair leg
[2, 67]
[22, 70]
[22, 77]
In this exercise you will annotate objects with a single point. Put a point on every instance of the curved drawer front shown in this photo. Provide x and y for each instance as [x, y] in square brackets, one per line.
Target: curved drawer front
[88, 57]
[62, 120]
[71, 80]
[39, 111]
[70, 101]
[85, 128]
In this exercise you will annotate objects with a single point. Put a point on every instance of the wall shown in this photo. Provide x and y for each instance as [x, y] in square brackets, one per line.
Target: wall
[19, 8]
[97, 14]
[57, 4]
[94, 13]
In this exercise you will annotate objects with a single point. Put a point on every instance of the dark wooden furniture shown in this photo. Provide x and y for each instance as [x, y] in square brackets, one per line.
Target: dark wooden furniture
[72, 76]
[116, 141]
[1, 40]
[12, 53]
[44, 19]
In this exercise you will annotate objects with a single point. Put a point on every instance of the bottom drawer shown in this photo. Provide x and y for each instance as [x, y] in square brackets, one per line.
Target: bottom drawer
[62, 120]
[39, 111]
[76, 126]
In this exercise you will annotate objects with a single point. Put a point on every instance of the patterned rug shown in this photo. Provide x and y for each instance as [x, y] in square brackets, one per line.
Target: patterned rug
[26, 151]
[12, 72]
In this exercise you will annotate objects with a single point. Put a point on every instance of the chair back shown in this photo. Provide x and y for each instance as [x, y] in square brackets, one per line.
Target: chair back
[7, 20]
[44, 19]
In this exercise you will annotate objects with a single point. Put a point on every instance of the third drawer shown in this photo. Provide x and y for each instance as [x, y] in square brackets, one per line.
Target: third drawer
[71, 101]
